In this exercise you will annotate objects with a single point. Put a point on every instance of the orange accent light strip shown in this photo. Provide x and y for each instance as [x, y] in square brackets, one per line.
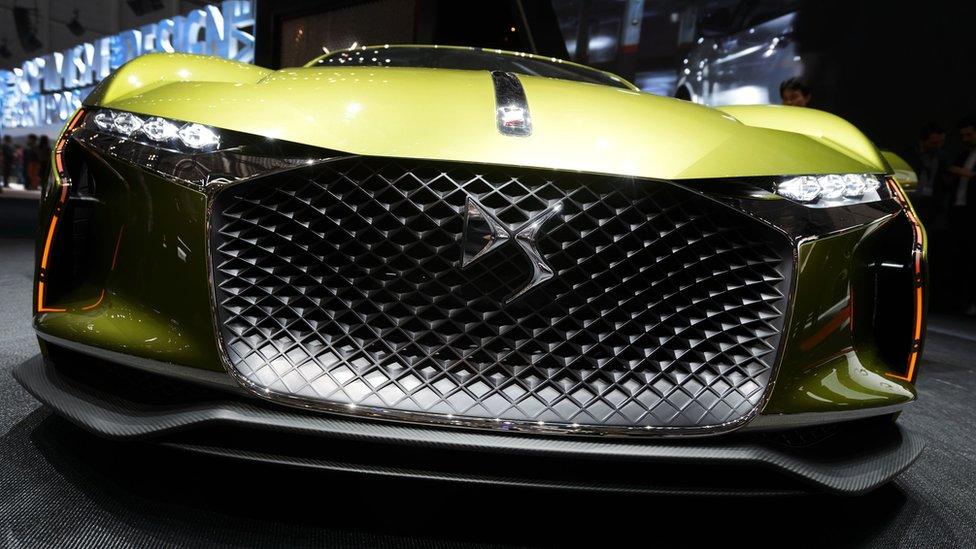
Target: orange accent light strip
[115, 257]
[65, 182]
[74, 120]
[918, 313]
[40, 301]
[42, 274]
[95, 304]
[843, 316]
[118, 243]
[47, 243]
[59, 147]
[898, 194]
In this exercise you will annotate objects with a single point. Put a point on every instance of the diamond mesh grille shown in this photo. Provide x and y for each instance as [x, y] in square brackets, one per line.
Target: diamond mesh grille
[343, 285]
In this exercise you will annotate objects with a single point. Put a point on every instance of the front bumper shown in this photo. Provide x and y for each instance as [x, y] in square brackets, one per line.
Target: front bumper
[311, 306]
[225, 279]
[123, 403]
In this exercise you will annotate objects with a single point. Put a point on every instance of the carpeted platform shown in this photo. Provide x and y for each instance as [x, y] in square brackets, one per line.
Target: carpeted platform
[61, 487]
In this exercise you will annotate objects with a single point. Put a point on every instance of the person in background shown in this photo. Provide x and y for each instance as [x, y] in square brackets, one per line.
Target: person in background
[17, 168]
[795, 92]
[44, 157]
[7, 157]
[32, 163]
[964, 168]
[931, 163]
[962, 217]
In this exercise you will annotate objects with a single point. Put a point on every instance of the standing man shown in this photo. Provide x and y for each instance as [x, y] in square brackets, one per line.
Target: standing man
[18, 169]
[32, 164]
[44, 159]
[931, 163]
[963, 216]
[7, 157]
[795, 92]
[965, 165]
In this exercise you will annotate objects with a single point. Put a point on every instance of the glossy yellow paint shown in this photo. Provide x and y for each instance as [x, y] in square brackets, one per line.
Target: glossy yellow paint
[848, 381]
[902, 171]
[450, 115]
[828, 129]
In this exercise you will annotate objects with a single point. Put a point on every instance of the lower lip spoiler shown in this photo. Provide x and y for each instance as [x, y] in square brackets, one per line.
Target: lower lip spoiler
[842, 464]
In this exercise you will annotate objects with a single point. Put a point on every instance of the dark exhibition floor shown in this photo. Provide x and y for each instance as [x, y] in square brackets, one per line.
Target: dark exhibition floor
[62, 487]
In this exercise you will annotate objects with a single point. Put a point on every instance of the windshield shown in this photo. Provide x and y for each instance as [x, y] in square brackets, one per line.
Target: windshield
[467, 59]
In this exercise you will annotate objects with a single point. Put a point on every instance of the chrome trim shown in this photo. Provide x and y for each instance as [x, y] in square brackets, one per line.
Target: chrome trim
[494, 233]
[511, 106]
[481, 234]
[216, 380]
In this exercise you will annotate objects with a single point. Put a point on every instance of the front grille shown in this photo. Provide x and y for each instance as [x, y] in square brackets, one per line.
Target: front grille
[341, 287]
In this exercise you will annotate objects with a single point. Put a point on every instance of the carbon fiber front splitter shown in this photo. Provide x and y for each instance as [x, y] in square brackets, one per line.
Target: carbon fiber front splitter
[853, 459]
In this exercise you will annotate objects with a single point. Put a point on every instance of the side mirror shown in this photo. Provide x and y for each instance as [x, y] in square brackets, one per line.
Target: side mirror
[903, 174]
[716, 23]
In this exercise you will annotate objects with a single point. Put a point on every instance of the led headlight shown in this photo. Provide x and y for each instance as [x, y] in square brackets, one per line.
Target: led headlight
[825, 191]
[157, 131]
[160, 129]
[198, 136]
[188, 153]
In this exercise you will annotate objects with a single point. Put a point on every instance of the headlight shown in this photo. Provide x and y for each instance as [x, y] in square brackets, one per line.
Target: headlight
[158, 132]
[826, 191]
[188, 153]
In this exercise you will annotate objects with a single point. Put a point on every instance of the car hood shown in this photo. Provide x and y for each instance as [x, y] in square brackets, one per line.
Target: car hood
[450, 115]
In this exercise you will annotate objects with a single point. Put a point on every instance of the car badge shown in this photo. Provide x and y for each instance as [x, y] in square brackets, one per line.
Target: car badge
[483, 232]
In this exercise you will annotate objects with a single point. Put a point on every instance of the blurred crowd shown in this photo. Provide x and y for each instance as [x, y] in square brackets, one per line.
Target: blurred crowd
[945, 200]
[27, 164]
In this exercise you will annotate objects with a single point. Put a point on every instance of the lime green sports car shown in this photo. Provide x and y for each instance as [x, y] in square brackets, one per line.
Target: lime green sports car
[483, 266]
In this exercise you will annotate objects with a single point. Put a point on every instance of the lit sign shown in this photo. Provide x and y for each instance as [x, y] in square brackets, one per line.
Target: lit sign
[47, 89]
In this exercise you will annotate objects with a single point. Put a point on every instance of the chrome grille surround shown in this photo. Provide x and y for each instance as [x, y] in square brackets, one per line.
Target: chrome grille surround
[340, 288]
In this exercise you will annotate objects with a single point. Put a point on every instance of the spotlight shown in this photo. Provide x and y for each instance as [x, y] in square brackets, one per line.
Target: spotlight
[75, 25]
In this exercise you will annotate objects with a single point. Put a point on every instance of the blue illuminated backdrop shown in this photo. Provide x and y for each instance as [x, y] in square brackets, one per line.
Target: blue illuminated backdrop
[45, 90]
